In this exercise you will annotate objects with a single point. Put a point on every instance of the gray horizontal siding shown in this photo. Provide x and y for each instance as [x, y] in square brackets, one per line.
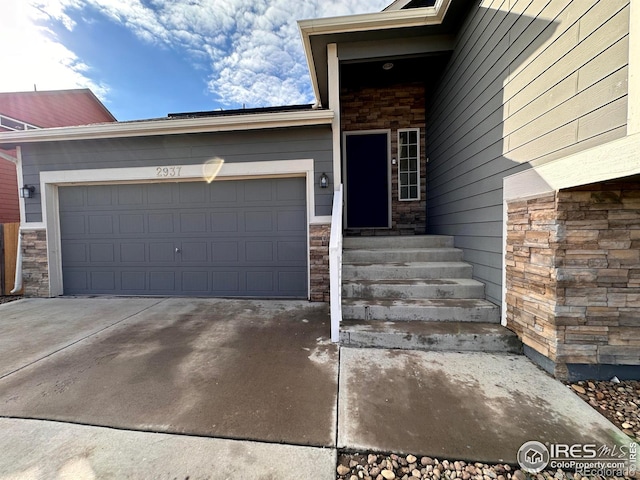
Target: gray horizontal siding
[529, 80]
[252, 146]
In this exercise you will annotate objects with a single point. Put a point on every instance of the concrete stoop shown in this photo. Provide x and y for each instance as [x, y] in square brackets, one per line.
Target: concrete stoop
[432, 336]
[415, 292]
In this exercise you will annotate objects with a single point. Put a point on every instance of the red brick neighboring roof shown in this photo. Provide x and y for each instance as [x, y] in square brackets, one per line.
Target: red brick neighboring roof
[55, 108]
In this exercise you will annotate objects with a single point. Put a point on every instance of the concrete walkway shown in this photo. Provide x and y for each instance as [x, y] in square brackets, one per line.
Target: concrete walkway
[206, 388]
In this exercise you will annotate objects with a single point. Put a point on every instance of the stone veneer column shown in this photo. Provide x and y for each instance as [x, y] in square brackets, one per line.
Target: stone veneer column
[531, 273]
[319, 236]
[35, 265]
[573, 279]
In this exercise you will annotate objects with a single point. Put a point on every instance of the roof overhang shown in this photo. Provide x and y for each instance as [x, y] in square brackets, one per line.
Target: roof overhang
[172, 126]
[363, 27]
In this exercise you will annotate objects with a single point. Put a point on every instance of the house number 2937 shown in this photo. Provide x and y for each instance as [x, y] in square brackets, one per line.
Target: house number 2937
[166, 172]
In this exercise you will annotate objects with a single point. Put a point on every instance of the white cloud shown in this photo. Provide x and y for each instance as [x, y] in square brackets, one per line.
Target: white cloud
[32, 55]
[251, 48]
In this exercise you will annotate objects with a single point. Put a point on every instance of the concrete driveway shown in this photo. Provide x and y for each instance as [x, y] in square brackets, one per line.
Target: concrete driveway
[206, 388]
[259, 371]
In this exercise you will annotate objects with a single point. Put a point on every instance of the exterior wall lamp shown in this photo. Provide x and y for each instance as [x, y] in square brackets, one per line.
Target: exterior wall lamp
[27, 191]
[324, 181]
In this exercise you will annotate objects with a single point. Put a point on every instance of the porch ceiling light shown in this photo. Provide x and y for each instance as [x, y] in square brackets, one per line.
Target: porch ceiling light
[27, 191]
[387, 66]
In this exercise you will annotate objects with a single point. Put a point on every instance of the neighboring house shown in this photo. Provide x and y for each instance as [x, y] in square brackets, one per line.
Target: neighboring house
[21, 111]
[512, 125]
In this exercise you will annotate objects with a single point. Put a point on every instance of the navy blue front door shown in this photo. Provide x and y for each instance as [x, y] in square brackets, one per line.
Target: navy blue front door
[367, 180]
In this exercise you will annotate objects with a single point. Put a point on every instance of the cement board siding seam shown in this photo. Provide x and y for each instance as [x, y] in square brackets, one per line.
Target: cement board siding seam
[487, 69]
[485, 90]
[612, 115]
[469, 29]
[519, 94]
[604, 137]
[476, 83]
[465, 130]
[467, 117]
[612, 88]
[566, 36]
[513, 102]
[468, 47]
[564, 140]
[433, 170]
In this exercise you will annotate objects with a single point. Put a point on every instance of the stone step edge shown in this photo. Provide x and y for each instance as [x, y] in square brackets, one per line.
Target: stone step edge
[433, 336]
[416, 281]
[418, 302]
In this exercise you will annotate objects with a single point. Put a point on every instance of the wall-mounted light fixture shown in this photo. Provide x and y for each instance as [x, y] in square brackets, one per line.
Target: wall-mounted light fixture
[324, 181]
[27, 191]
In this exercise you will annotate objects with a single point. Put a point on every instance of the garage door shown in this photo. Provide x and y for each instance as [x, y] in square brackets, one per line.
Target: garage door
[231, 238]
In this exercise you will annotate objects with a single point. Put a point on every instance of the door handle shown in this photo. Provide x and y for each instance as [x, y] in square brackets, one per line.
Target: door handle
[178, 250]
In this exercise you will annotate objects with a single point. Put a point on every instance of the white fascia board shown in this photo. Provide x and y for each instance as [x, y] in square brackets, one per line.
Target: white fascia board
[172, 126]
[306, 45]
[387, 19]
[412, 17]
[617, 159]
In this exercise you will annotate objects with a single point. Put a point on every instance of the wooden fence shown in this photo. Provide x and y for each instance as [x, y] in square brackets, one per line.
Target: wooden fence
[8, 253]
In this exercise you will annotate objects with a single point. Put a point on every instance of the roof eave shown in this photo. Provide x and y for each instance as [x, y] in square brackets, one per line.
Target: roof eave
[384, 20]
[170, 127]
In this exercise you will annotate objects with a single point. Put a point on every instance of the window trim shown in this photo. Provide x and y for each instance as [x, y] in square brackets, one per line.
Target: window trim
[410, 199]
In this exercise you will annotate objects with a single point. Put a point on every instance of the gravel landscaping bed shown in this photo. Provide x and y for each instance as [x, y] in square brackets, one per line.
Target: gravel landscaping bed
[618, 401]
[9, 298]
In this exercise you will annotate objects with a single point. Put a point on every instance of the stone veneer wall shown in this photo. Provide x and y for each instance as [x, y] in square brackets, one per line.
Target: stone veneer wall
[396, 107]
[573, 278]
[319, 236]
[35, 266]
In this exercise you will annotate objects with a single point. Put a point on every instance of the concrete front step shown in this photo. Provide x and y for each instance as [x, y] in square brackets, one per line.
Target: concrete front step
[396, 242]
[402, 255]
[414, 288]
[437, 336]
[437, 310]
[402, 270]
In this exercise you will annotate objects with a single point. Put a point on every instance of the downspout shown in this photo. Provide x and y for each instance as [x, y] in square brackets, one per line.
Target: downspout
[17, 283]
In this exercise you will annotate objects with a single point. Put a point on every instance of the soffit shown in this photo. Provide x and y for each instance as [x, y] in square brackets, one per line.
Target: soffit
[384, 28]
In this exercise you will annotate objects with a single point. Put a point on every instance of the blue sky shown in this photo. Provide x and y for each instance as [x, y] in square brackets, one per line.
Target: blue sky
[148, 58]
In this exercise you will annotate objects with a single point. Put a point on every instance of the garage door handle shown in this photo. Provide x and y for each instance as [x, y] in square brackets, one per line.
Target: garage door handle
[178, 250]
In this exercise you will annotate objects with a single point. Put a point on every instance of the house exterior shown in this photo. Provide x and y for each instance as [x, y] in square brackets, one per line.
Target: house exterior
[21, 111]
[511, 125]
